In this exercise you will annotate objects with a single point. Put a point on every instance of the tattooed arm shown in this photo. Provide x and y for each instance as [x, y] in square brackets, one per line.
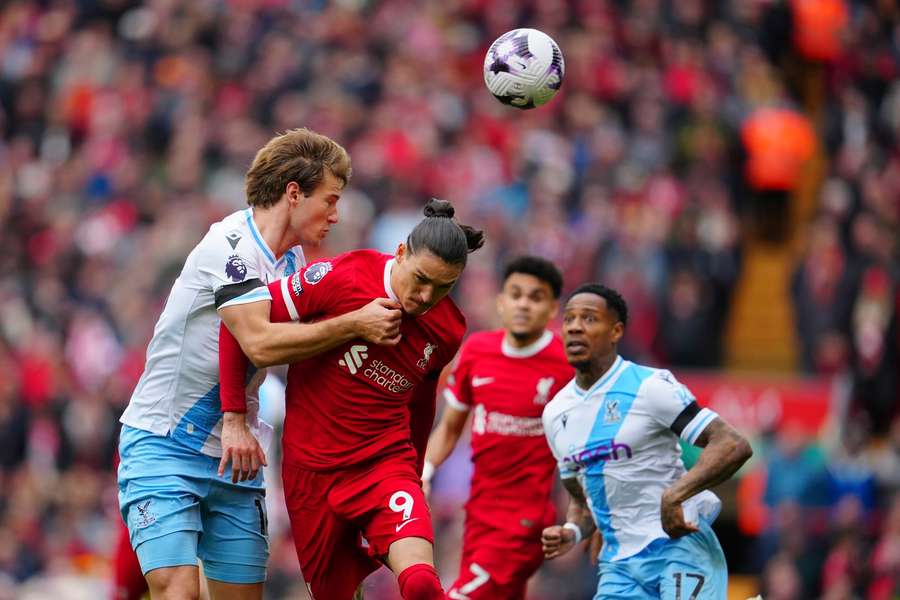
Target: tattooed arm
[559, 539]
[724, 451]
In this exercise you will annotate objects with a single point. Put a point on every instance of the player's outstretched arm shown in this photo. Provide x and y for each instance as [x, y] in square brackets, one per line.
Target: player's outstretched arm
[442, 442]
[559, 539]
[239, 446]
[267, 340]
[724, 451]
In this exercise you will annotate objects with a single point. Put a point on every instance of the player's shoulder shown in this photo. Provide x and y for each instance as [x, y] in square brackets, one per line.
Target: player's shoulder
[629, 374]
[652, 381]
[364, 256]
[229, 250]
[657, 376]
[353, 257]
[229, 233]
[239, 220]
[346, 265]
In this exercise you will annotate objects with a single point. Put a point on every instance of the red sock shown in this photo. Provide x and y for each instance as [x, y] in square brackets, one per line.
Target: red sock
[128, 581]
[420, 582]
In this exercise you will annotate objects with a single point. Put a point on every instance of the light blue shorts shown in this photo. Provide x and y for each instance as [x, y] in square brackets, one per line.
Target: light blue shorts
[177, 509]
[688, 568]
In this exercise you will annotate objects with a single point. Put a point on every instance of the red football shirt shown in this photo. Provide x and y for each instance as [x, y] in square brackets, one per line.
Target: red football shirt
[507, 389]
[352, 403]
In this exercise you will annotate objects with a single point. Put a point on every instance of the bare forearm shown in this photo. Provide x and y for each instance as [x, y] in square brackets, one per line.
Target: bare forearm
[441, 444]
[282, 343]
[267, 337]
[578, 511]
[421, 416]
[725, 452]
[580, 514]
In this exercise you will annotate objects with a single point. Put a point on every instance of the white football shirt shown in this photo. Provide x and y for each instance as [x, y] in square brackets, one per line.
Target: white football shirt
[620, 440]
[178, 393]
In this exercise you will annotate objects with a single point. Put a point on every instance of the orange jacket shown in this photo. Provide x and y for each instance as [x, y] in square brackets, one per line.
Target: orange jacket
[818, 25]
[778, 142]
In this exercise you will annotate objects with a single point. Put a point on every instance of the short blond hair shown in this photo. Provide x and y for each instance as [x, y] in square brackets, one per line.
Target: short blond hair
[298, 155]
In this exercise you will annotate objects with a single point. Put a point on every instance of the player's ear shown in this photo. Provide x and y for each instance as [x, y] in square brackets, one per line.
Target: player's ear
[618, 331]
[401, 252]
[294, 193]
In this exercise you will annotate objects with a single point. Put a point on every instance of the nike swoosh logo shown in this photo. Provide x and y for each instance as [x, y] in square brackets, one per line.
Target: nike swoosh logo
[480, 381]
[405, 523]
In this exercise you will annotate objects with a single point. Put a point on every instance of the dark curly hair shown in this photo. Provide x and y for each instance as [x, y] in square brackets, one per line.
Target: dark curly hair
[614, 300]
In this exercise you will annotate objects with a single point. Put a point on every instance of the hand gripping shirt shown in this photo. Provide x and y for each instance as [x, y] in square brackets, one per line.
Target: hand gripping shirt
[178, 392]
[356, 402]
[620, 440]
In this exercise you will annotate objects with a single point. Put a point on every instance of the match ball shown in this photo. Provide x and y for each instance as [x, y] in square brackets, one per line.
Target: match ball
[524, 68]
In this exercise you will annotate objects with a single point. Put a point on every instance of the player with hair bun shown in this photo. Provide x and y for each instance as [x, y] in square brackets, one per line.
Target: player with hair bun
[358, 416]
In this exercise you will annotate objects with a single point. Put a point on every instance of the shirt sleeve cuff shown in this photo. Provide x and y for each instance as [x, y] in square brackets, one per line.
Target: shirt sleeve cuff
[256, 295]
[454, 402]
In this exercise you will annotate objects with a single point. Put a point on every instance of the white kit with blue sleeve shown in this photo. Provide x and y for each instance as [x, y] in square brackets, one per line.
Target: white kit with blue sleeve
[619, 439]
[169, 489]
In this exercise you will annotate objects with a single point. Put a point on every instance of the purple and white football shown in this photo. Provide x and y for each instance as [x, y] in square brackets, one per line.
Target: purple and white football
[524, 68]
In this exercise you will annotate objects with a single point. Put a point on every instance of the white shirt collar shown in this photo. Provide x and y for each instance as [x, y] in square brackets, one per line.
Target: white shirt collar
[257, 235]
[387, 280]
[604, 379]
[529, 350]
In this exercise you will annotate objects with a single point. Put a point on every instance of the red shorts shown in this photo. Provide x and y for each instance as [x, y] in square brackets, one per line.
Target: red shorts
[501, 551]
[343, 521]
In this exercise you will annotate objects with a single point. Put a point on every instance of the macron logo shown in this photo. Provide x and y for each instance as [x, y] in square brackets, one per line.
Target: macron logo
[354, 357]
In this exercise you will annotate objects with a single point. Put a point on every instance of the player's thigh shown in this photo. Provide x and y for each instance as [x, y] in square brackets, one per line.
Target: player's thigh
[523, 559]
[395, 509]
[496, 566]
[332, 555]
[686, 581]
[618, 581]
[477, 582]
[162, 514]
[219, 590]
[694, 568]
[235, 542]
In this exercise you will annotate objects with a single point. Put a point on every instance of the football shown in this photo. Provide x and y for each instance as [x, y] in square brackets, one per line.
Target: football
[524, 68]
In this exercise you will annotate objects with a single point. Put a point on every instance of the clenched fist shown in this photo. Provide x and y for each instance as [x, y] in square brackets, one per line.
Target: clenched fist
[379, 322]
[556, 541]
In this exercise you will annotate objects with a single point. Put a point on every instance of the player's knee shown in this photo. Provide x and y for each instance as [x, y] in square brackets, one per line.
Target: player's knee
[174, 583]
[420, 582]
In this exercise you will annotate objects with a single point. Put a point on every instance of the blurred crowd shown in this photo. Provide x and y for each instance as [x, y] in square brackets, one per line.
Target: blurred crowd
[126, 128]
